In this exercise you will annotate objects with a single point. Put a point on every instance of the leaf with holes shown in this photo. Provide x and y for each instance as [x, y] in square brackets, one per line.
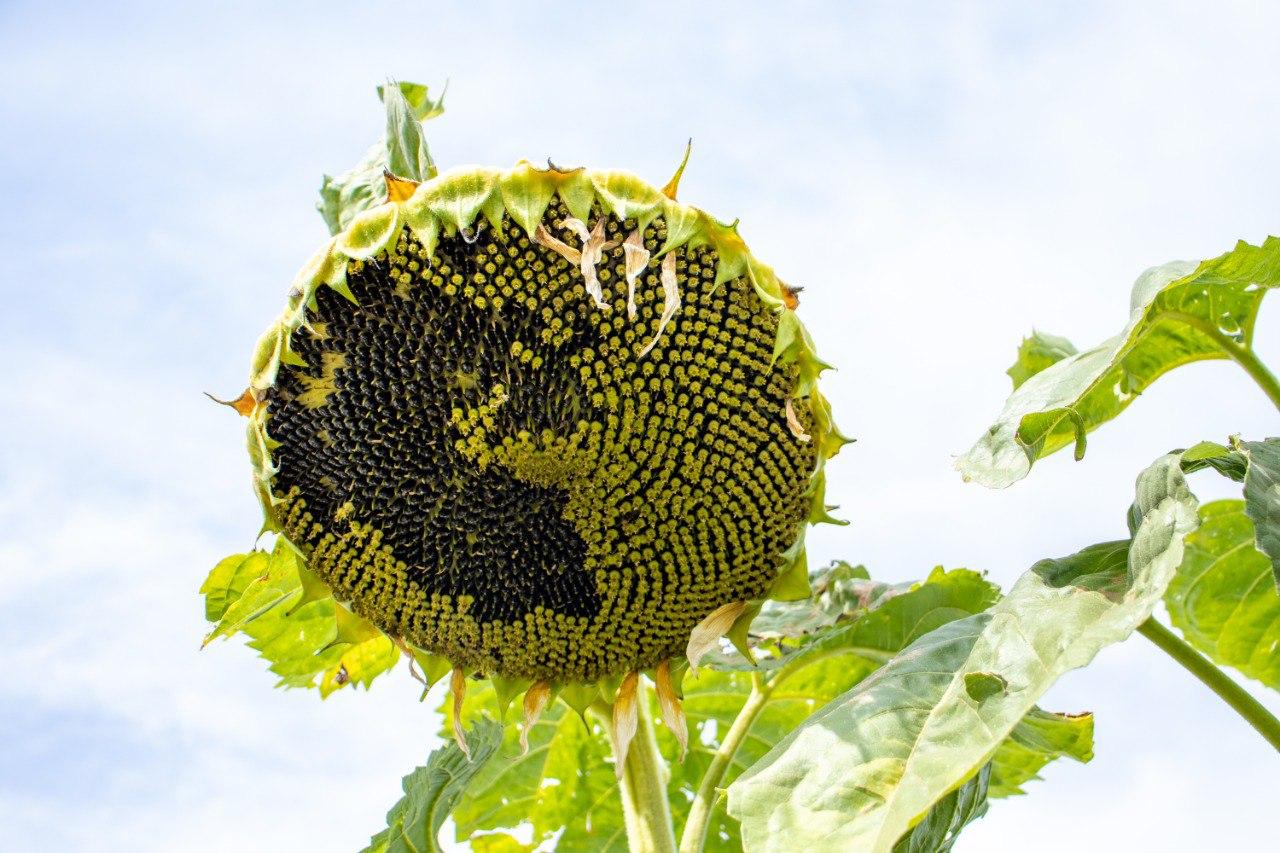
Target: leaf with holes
[867, 766]
[806, 673]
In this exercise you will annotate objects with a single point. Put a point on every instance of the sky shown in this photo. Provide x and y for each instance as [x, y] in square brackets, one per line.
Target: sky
[941, 178]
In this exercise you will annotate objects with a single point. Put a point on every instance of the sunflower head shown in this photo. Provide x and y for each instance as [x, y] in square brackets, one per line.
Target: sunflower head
[551, 426]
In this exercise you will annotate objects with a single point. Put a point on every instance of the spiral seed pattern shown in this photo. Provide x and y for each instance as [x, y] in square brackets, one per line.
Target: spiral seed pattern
[477, 457]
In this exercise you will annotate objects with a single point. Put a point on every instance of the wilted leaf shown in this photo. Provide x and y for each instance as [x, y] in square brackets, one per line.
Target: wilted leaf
[1223, 599]
[1037, 739]
[837, 591]
[860, 771]
[431, 791]
[418, 97]
[820, 666]
[1179, 313]
[402, 150]
[1262, 497]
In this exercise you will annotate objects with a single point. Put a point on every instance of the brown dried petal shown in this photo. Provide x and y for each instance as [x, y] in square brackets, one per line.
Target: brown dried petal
[458, 686]
[794, 423]
[707, 633]
[672, 711]
[637, 258]
[413, 665]
[543, 237]
[670, 299]
[625, 720]
[592, 247]
[535, 700]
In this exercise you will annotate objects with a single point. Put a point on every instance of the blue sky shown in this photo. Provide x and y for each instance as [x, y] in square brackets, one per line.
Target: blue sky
[940, 177]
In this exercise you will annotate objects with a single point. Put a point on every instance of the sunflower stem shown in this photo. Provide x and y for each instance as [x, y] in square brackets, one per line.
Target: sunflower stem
[645, 809]
[1253, 712]
[1241, 354]
[695, 828]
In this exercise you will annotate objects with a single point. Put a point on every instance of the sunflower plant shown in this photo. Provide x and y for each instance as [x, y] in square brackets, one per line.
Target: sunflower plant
[550, 439]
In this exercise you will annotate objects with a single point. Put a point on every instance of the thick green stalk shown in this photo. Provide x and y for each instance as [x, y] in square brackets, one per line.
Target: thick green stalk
[695, 828]
[1266, 380]
[1215, 679]
[1239, 353]
[643, 784]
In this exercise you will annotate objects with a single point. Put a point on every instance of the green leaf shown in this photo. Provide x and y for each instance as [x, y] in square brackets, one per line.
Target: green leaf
[1262, 497]
[402, 150]
[228, 580]
[496, 842]
[1037, 352]
[1099, 568]
[1207, 454]
[431, 791]
[565, 782]
[1223, 599]
[293, 622]
[565, 788]
[276, 585]
[314, 646]
[366, 653]
[862, 770]
[298, 643]
[819, 665]
[940, 828]
[418, 97]
[1180, 313]
[1037, 739]
[897, 617]
[983, 685]
[407, 155]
